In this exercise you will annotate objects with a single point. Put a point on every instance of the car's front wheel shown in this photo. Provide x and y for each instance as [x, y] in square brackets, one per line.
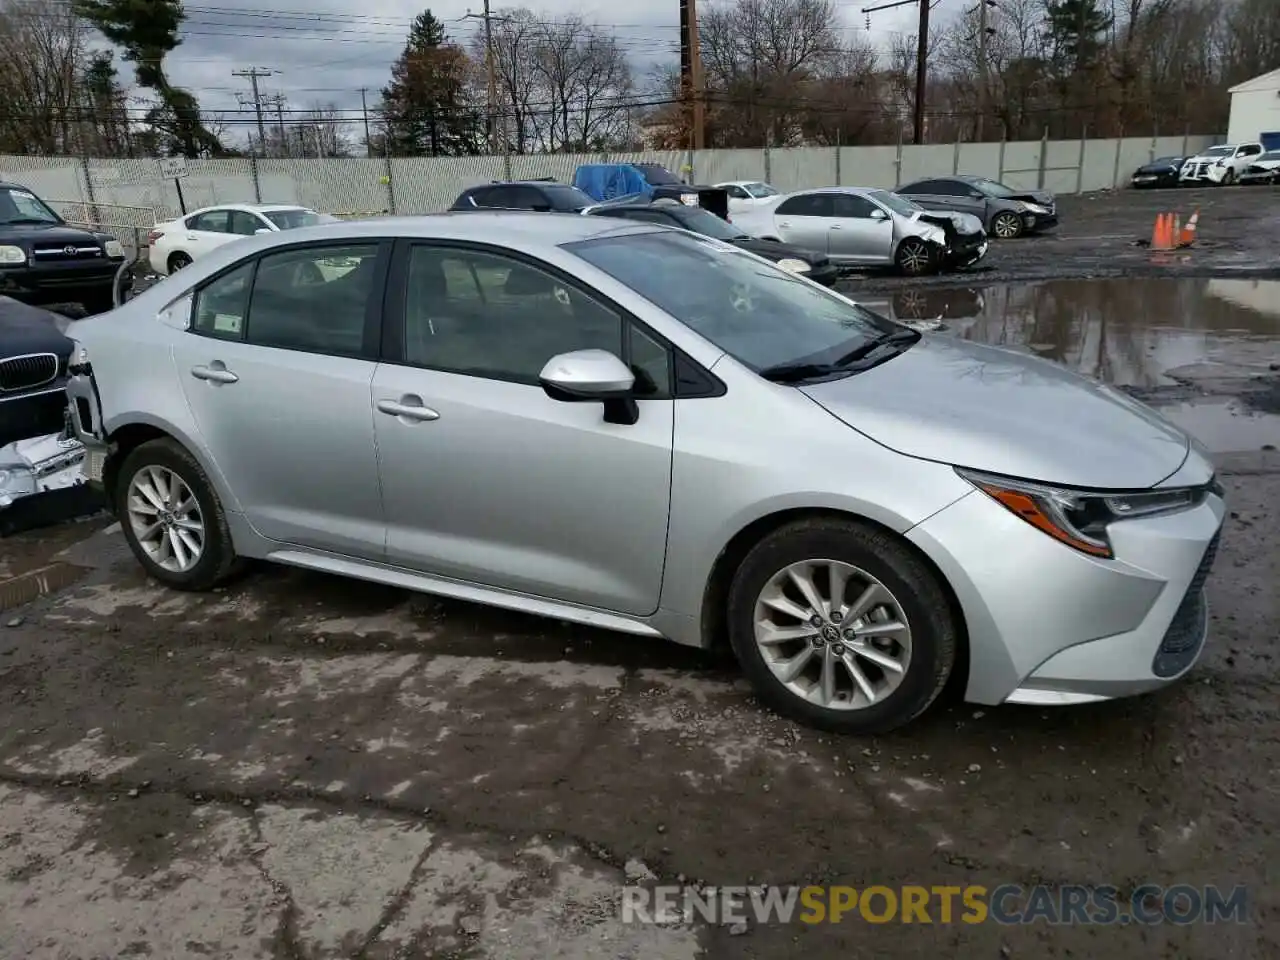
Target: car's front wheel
[1007, 226]
[840, 626]
[915, 257]
[172, 517]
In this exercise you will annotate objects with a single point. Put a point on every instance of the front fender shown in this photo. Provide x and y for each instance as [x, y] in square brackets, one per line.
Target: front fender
[117, 426]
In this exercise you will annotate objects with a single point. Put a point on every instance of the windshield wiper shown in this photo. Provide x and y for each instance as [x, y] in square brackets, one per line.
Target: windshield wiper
[17, 221]
[797, 372]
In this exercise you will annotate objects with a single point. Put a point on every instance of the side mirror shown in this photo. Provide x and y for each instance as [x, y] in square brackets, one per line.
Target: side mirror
[878, 214]
[587, 375]
[260, 231]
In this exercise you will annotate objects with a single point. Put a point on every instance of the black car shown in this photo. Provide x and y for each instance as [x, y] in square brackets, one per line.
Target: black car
[545, 196]
[34, 352]
[1006, 212]
[672, 213]
[1162, 172]
[43, 259]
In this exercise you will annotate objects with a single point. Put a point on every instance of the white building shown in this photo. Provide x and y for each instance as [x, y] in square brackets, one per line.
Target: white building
[1255, 108]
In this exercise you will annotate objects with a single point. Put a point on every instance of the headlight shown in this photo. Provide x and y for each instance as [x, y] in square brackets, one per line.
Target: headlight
[1079, 518]
[12, 254]
[79, 354]
[792, 265]
[1036, 208]
[1019, 206]
[114, 249]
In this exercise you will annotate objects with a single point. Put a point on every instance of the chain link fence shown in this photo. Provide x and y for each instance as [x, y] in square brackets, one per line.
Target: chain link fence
[127, 192]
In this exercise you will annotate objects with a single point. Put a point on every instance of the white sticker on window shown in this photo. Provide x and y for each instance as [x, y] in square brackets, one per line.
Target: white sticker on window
[226, 323]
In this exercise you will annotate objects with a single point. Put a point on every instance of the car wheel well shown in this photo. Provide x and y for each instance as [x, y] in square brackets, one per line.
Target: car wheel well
[123, 441]
[715, 628]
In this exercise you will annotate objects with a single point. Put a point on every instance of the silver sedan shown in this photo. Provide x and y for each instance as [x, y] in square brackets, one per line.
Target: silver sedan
[639, 429]
[858, 227]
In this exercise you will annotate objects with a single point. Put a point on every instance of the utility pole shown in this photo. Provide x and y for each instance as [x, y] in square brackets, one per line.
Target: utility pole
[922, 56]
[253, 75]
[692, 93]
[278, 100]
[491, 71]
[364, 109]
[984, 31]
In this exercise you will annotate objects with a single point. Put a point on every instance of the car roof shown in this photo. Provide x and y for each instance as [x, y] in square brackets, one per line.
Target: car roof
[502, 226]
[249, 207]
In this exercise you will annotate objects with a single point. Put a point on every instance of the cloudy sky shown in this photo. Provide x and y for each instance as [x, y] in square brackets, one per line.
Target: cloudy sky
[325, 51]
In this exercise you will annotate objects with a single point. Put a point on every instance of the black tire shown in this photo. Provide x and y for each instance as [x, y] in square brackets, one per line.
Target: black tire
[218, 561]
[177, 261]
[1012, 225]
[1229, 178]
[915, 257]
[922, 600]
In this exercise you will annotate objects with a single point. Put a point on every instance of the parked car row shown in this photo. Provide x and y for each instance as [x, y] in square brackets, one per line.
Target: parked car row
[1247, 164]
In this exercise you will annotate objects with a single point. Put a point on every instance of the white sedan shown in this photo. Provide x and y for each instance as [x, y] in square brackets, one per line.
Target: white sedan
[175, 244]
[745, 194]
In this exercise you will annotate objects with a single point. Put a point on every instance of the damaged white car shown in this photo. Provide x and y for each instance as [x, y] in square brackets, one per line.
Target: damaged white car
[1222, 164]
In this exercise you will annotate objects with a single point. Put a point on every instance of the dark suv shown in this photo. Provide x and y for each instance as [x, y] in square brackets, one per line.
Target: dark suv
[540, 195]
[43, 259]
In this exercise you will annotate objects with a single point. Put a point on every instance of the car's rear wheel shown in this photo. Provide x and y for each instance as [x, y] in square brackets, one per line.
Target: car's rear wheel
[840, 626]
[172, 518]
[177, 261]
[1007, 226]
[915, 257]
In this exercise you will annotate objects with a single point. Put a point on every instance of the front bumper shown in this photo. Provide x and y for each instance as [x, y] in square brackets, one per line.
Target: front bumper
[1047, 624]
[32, 414]
[1200, 172]
[1147, 180]
[85, 411]
[1040, 221]
[1261, 177]
[965, 251]
[51, 282]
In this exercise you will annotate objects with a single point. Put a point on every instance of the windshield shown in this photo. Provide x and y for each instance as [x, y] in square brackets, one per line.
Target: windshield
[898, 204]
[757, 313]
[565, 197]
[706, 223]
[295, 218]
[759, 190]
[656, 174]
[23, 206]
[1219, 152]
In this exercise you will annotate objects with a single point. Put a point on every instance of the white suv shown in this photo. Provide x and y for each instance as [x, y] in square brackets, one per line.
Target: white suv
[1222, 164]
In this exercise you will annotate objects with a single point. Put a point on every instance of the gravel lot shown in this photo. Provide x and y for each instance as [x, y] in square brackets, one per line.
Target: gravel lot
[305, 767]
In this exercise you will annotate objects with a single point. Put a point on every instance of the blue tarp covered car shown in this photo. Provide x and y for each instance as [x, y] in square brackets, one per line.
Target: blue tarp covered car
[610, 181]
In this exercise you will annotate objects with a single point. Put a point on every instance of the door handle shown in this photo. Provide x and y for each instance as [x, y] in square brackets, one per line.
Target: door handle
[836, 226]
[408, 407]
[785, 224]
[214, 374]
[191, 236]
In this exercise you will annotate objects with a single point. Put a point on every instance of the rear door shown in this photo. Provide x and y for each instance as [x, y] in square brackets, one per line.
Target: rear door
[276, 367]
[805, 220]
[207, 231]
[860, 230]
[962, 197]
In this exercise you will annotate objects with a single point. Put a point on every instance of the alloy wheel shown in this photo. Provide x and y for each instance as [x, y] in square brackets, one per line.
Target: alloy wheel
[832, 634]
[1007, 226]
[166, 519]
[914, 258]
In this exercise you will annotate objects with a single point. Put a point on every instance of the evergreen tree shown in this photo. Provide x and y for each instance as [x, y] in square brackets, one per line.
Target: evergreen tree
[425, 108]
[1075, 29]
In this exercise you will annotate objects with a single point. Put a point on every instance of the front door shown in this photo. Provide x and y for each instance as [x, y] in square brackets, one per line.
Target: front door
[861, 232]
[488, 480]
[276, 368]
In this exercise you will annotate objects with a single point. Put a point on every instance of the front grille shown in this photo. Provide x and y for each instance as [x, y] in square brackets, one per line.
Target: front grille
[1186, 632]
[28, 372]
[66, 251]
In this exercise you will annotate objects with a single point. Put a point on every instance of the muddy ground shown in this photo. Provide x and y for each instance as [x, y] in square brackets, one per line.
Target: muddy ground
[305, 767]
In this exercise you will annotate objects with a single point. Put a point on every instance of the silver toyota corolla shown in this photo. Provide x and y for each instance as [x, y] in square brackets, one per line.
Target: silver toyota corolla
[644, 430]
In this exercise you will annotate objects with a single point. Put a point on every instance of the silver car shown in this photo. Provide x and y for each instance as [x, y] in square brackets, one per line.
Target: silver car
[856, 227]
[636, 428]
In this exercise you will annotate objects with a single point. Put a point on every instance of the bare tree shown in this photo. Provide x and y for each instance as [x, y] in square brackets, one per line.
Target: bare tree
[587, 81]
[42, 44]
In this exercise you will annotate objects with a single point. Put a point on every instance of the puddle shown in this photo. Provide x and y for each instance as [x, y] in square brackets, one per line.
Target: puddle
[1200, 351]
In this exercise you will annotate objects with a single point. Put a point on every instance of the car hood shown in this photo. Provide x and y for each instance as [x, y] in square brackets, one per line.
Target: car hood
[1042, 197]
[775, 251]
[962, 222]
[54, 232]
[993, 409]
[27, 329]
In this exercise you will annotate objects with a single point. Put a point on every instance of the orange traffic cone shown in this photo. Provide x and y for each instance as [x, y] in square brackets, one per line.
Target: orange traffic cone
[1163, 238]
[1188, 235]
